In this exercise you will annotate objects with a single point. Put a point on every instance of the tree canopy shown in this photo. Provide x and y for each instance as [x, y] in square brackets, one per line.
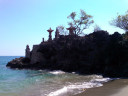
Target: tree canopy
[62, 30]
[121, 21]
[97, 28]
[81, 22]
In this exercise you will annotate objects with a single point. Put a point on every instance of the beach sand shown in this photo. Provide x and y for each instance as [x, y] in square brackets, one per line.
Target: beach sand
[113, 88]
[122, 92]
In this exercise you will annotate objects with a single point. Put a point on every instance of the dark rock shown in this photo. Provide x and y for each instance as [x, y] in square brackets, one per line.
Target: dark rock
[96, 53]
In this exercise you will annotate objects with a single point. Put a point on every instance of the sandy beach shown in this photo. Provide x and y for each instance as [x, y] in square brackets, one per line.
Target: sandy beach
[122, 92]
[113, 88]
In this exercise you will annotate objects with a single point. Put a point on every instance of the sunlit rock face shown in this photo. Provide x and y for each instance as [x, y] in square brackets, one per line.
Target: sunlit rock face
[36, 57]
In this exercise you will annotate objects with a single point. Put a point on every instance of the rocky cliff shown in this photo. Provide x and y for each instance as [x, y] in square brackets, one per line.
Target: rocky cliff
[96, 53]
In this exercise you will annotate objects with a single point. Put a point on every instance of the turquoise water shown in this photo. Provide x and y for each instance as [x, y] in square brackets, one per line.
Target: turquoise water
[14, 82]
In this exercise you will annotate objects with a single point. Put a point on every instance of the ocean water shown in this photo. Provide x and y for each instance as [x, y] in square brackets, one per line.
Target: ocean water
[14, 82]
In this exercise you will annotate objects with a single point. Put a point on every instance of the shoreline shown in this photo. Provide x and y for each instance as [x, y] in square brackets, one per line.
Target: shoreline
[117, 87]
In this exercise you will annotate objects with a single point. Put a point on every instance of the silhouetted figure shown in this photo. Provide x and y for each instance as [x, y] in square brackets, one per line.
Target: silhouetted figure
[50, 34]
[27, 53]
[71, 30]
[43, 39]
[57, 33]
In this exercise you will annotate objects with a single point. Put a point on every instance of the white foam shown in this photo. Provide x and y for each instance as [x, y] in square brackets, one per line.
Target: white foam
[40, 70]
[74, 89]
[73, 72]
[102, 80]
[79, 87]
[57, 72]
[58, 92]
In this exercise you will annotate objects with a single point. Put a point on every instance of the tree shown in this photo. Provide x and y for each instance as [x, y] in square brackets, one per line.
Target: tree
[62, 30]
[80, 23]
[121, 21]
[96, 28]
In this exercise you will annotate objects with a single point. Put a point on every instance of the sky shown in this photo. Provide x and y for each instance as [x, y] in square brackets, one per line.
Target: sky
[25, 22]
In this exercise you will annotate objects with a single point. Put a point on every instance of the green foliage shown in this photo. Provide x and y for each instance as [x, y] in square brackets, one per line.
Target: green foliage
[121, 21]
[80, 23]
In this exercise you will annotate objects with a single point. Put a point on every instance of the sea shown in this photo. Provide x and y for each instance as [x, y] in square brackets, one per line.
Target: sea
[15, 82]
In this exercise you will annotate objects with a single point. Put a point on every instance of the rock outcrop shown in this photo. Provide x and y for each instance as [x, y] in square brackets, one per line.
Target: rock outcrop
[96, 53]
[19, 63]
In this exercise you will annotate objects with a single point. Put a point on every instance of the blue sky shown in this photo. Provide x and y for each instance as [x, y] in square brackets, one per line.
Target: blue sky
[25, 22]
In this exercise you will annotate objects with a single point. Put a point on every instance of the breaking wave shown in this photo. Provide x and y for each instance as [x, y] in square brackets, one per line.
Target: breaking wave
[77, 88]
[57, 72]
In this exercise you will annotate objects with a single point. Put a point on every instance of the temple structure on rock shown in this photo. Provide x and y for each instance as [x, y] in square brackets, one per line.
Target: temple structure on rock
[71, 30]
[50, 34]
[36, 56]
[57, 33]
[27, 52]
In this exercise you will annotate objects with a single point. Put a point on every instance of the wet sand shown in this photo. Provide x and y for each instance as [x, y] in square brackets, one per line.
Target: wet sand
[113, 88]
